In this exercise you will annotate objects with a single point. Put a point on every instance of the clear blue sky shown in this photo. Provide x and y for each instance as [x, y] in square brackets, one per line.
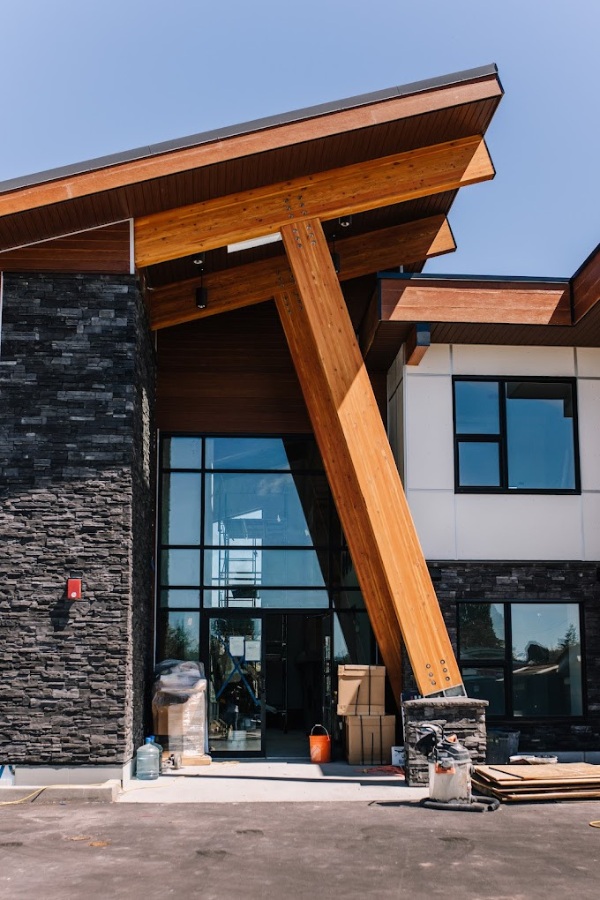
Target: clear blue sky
[84, 78]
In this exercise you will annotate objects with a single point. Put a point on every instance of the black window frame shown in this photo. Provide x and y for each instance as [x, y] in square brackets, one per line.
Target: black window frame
[505, 661]
[500, 439]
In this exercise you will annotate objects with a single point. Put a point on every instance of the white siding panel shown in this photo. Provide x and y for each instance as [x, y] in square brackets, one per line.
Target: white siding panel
[433, 514]
[588, 362]
[588, 397]
[429, 432]
[591, 526]
[513, 361]
[519, 527]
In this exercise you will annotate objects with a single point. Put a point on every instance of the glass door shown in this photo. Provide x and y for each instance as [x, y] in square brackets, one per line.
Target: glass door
[236, 705]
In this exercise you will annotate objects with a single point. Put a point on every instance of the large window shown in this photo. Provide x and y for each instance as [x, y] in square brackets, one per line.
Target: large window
[246, 523]
[524, 658]
[515, 435]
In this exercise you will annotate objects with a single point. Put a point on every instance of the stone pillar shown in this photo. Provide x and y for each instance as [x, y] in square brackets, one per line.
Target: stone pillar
[457, 715]
[76, 500]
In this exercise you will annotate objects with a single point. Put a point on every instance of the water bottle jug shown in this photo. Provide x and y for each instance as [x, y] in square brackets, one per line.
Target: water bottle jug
[147, 761]
[160, 750]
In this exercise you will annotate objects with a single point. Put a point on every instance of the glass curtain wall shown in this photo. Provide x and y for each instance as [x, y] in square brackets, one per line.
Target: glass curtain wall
[249, 523]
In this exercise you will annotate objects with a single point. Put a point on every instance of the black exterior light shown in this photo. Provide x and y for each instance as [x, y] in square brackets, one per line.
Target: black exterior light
[201, 291]
[201, 297]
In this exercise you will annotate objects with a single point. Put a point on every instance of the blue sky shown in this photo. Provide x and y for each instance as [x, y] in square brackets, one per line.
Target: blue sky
[84, 78]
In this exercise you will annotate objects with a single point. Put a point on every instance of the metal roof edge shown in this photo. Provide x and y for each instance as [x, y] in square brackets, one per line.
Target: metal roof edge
[219, 134]
[432, 276]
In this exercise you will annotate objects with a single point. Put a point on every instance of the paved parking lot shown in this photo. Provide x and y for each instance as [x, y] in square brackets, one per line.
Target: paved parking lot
[298, 850]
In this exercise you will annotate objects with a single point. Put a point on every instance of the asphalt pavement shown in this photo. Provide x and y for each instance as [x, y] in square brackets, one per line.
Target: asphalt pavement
[295, 850]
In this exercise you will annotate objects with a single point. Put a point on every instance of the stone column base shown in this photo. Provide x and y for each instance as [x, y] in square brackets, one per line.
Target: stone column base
[457, 715]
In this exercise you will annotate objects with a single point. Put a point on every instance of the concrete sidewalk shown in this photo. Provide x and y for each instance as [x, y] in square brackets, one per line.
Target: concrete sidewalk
[264, 781]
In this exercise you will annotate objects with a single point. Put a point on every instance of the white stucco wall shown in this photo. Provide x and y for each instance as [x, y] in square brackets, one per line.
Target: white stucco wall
[492, 526]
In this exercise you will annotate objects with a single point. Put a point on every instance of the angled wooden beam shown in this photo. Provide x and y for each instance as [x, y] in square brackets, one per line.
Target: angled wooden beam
[585, 285]
[326, 195]
[496, 302]
[417, 343]
[241, 286]
[364, 480]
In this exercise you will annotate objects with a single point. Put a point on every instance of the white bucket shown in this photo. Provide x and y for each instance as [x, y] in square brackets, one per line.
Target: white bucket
[398, 756]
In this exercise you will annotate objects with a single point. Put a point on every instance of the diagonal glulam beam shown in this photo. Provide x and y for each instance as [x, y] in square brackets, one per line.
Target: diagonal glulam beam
[326, 195]
[364, 480]
[241, 286]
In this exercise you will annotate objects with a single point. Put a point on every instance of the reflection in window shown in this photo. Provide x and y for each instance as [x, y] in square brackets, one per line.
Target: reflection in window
[515, 434]
[539, 435]
[525, 658]
[248, 523]
[352, 639]
[180, 508]
[179, 635]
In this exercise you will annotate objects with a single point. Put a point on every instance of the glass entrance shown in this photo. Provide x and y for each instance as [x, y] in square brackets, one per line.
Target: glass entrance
[236, 709]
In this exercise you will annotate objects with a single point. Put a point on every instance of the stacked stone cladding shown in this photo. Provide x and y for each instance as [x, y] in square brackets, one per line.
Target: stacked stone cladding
[75, 500]
[570, 582]
[448, 715]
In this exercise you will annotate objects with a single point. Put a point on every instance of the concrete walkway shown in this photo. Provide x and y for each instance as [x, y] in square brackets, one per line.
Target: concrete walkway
[264, 781]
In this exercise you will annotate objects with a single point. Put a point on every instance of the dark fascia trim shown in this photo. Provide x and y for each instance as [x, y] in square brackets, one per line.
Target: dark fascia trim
[432, 276]
[220, 134]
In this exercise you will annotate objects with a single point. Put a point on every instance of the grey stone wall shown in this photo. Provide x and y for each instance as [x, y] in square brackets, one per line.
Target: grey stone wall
[455, 715]
[76, 499]
[575, 582]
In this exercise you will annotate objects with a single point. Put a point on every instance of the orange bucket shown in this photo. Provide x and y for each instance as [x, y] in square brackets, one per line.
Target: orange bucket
[320, 746]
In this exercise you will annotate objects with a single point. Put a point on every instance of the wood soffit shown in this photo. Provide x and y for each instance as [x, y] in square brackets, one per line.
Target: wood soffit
[248, 160]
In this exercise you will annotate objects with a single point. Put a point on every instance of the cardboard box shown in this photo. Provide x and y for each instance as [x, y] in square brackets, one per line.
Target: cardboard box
[369, 740]
[361, 690]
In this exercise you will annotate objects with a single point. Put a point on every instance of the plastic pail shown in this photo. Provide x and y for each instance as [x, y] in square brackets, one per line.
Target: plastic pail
[320, 746]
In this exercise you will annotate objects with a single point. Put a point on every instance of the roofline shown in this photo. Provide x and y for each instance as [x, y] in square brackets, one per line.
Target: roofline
[220, 134]
[433, 276]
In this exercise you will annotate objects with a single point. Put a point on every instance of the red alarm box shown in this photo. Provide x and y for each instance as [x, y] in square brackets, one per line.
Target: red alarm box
[74, 589]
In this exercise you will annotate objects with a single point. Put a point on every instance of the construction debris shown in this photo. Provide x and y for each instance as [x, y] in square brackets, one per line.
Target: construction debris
[560, 781]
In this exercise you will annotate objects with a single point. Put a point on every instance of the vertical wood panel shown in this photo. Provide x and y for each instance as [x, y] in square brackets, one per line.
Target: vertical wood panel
[393, 575]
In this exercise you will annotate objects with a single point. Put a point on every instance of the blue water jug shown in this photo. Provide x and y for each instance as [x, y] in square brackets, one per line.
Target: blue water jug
[147, 761]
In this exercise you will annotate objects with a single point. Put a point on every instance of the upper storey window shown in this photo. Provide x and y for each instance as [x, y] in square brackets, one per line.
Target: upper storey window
[515, 435]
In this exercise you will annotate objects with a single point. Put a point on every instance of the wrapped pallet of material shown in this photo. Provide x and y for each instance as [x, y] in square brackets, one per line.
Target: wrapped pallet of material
[179, 708]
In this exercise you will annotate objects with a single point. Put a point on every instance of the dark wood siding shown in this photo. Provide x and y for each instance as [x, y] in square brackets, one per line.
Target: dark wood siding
[102, 250]
[233, 374]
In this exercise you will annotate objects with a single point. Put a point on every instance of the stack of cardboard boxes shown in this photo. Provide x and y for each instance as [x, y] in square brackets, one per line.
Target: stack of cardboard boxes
[369, 733]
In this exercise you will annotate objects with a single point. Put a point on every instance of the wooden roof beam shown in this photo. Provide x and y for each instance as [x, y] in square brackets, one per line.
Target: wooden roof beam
[362, 474]
[325, 195]
[241, 286]
[216, 149]
[477, 301]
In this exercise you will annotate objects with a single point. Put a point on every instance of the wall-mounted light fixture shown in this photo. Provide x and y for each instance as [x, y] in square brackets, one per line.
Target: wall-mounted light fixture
[345, 221]
[201, 291]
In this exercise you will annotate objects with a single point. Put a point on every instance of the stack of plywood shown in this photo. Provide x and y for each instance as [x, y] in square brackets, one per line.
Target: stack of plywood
[558, 781]
[369, 733]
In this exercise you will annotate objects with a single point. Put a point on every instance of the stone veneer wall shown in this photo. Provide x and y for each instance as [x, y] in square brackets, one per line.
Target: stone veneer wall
[76, 499]
[575, 582]
[461, 716]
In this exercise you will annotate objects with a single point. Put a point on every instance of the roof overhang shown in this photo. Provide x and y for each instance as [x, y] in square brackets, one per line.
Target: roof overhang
[393, 161]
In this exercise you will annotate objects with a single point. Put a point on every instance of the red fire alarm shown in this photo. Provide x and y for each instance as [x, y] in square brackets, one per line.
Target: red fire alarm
[74, 589]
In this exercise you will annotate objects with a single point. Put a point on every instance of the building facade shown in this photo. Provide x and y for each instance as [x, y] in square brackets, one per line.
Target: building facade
[270, 458]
